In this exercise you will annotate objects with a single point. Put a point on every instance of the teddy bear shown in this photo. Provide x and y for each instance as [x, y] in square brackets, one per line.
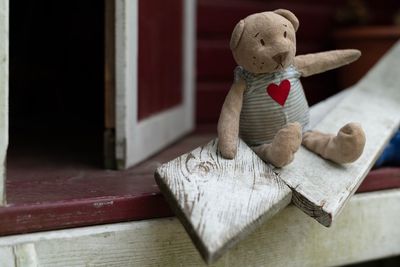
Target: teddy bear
[266, 106]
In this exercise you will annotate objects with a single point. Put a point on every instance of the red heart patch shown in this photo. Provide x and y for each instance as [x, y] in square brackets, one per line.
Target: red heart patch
[280, 92]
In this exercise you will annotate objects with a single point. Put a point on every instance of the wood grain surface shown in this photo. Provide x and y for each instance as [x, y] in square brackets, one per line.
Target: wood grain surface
[321, 188]
[4, 5]
[220, 201]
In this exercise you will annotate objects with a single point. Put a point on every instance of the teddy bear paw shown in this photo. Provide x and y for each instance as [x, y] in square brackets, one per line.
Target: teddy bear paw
[346, 147]
[282, 149]
[291, 135]
[349, 143]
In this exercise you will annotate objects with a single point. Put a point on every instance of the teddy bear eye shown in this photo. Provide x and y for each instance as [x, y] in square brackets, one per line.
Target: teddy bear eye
[262, 41]
[285, 34]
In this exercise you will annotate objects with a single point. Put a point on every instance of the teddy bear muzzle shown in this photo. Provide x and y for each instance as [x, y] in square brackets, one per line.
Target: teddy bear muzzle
[280, 58]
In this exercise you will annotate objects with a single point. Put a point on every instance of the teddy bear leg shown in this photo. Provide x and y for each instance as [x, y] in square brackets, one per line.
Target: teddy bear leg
[347, 146]
[282, 149]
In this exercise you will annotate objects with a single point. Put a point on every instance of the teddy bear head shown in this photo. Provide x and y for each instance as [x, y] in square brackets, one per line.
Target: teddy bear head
[265, 42]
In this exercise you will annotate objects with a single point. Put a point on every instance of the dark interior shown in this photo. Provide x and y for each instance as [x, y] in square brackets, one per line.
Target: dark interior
[56, 79]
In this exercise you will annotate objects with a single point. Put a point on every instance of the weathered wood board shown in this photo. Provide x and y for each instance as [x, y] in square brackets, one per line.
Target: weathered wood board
[321, 109]
[4, 7]
[321, 188]
[219, 201]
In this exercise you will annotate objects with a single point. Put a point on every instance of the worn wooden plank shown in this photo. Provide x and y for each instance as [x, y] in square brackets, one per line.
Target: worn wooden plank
[321, 109]
[220, 201]
[289, 239]
[4, 8]
[321, 188]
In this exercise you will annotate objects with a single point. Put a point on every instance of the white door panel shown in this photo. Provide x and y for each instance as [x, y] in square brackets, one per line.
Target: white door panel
[137, 140]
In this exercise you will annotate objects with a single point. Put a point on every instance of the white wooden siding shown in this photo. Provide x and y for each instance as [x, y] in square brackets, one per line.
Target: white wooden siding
[136, 140]
[368, 229]
[4, 7]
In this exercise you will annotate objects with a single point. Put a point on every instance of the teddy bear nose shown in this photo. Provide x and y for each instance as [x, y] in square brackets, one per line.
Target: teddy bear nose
[280, 57]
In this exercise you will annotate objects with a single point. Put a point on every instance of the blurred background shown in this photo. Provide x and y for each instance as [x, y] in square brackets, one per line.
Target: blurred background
[57, 55]
[324, 25]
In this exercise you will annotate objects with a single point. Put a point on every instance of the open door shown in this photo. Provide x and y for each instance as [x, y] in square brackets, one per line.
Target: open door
[3, 94]
[154, 76]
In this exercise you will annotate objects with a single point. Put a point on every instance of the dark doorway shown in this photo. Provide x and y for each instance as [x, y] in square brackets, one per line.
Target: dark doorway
[57, 80]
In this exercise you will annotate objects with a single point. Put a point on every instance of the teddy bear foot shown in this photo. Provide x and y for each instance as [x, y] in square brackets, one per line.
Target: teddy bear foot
[282, 149]
[346, 147]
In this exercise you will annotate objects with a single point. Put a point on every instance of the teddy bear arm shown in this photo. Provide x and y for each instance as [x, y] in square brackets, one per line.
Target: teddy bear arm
[311, 64]
[228, 123]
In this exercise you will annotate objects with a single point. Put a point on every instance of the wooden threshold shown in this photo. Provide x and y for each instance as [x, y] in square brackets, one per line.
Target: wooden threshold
[52, 190]
[367, 229]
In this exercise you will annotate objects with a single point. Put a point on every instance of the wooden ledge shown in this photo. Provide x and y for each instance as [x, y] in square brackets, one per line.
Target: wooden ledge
[164, 242]
[42, 197]
[53, 190]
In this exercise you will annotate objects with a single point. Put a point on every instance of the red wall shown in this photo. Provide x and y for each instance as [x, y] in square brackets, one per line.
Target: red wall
[160, 55]
[217, 18]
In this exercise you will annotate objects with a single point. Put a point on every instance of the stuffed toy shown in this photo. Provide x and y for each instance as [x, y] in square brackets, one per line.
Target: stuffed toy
[266, 105]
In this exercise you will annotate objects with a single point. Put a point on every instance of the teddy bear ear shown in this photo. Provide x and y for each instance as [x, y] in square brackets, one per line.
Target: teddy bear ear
[289, 16]
[237, 34]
